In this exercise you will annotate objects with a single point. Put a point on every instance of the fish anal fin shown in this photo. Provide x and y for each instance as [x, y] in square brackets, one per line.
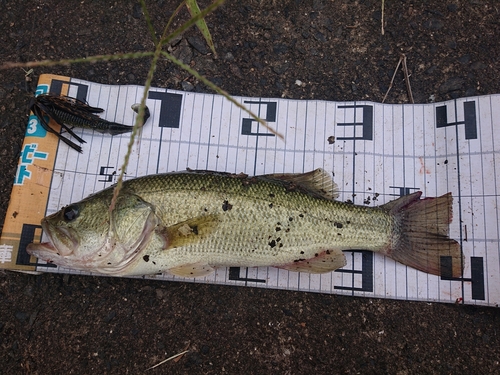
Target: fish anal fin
[318, 182]
[325, 261]
[192, 270]
[189, 232]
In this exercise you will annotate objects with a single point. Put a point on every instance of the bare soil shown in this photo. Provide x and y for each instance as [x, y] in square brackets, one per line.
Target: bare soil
[60, 324]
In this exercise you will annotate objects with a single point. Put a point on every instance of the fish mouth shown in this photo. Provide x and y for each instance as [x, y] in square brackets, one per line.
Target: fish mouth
[35, 248]
[62, 242]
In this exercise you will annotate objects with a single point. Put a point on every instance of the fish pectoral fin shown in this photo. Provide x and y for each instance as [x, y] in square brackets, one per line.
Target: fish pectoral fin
[190, 231]
[324, 261]
[199, 269]
[318, 182]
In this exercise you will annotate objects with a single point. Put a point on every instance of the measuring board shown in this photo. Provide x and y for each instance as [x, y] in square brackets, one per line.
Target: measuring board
[377, 152]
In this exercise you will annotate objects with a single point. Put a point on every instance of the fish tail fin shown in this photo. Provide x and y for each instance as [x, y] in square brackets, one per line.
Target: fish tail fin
[420, 238]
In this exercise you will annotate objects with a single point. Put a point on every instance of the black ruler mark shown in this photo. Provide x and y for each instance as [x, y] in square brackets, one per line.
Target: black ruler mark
[108, 176]
[247, 123]
[476, 279]
[366, 272]
[403, 190]
[170, 108]
[470, 123]
[56, 86]
[235, 275]
[366, 123]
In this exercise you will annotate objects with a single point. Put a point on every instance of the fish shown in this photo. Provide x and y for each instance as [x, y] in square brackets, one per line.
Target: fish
[70, 112]
[190, 223]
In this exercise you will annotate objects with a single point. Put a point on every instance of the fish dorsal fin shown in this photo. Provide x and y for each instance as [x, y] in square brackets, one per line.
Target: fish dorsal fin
[324, 261]
[317, 182]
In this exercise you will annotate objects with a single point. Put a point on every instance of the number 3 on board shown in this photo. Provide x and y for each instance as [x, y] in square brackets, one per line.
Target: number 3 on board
[34, 129]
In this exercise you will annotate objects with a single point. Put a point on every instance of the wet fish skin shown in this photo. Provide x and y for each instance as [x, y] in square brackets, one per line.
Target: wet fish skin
[189, 223]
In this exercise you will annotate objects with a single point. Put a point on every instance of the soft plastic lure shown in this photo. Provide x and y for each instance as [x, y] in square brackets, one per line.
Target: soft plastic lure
[70, 112]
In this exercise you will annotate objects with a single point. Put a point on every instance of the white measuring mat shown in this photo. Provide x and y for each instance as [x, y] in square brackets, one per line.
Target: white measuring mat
[377, 152]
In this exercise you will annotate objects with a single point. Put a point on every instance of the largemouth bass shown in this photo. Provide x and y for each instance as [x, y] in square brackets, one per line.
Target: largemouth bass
[189, 223]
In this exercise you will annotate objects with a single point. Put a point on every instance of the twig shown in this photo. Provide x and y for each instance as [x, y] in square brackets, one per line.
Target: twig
[382, 19]
[402, 59]
[392, 80]
[168, 359]
[407, 79]
[185, 350]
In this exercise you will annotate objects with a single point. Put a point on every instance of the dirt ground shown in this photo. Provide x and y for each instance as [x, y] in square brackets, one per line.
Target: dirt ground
[59, 324]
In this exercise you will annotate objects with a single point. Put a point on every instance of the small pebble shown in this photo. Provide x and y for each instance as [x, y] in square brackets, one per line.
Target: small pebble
[187, 86]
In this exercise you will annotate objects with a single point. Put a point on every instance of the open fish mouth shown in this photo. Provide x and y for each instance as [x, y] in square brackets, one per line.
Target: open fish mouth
[62, 242]
[36, 248]
[44, 251]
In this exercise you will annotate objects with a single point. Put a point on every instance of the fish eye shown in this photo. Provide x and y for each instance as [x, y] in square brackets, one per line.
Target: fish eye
[70, 213]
